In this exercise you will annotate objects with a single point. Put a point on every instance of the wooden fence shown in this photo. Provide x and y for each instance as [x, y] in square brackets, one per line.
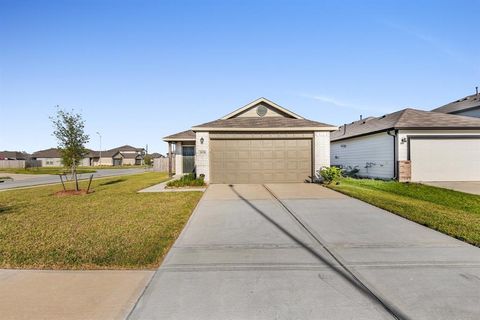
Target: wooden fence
[161, 164]
[19, 164]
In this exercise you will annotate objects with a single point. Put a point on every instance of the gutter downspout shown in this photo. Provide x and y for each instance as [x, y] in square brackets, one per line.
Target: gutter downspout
[395, 164]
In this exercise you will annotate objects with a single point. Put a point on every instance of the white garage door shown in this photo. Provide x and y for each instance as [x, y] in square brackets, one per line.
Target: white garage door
[445, 159]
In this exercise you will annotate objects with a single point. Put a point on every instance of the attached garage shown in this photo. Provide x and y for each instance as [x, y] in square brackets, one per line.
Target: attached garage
[261, 142]
[445, 158]
[261, 160]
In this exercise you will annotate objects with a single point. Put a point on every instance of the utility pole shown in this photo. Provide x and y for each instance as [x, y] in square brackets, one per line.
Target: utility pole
[100, 159]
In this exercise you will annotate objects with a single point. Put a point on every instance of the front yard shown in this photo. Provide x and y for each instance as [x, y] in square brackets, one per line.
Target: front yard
[113, 228]
[451, 212]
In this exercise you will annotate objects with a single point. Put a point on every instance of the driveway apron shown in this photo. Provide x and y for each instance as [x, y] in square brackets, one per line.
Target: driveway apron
[301, 251]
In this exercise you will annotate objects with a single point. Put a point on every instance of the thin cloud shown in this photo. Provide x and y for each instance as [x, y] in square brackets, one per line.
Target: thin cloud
[343, 104]
[436, 43]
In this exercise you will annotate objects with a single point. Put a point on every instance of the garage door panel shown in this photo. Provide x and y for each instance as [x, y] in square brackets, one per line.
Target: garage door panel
[260, 161]
[445, 159]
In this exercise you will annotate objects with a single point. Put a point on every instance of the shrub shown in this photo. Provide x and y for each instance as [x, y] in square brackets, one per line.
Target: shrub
[188, 180]
[330, 174]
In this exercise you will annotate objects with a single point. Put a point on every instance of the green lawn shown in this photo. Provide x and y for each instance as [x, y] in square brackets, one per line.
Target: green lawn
[44, 170]
[114, 227]
[118, 167]
[451, 212]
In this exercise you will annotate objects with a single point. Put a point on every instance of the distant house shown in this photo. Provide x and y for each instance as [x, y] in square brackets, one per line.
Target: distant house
[120, 156]
[468, 106]
[156, 155]
[14, 155]
[124, 155]
[52, 158]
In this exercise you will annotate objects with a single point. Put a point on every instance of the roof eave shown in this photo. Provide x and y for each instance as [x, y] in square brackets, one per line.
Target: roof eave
[265, 129]
[178, 139]
[402, 128]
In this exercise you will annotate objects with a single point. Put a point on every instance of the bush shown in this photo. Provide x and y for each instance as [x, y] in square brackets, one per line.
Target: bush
[330, 174]
[188, 180]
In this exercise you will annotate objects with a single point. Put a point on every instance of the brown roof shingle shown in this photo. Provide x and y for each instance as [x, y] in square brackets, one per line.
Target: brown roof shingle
[181, 136]
[262, 123]
[466, 103]
[15, 155]
[405, 119]
[47, 153]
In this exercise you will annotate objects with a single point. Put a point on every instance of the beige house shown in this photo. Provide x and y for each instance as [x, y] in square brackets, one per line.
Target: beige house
[120, 156]
[51, 158]
[260, 142]
[124, 155]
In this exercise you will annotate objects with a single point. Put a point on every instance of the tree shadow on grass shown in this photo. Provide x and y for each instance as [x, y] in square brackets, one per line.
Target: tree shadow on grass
[112, 182]
[5, 209]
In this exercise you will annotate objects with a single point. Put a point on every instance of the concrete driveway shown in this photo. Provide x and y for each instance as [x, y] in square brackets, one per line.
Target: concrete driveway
[472, 187]
[247, 255]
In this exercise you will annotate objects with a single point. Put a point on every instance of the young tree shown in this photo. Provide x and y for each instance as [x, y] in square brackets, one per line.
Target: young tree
[69, 131]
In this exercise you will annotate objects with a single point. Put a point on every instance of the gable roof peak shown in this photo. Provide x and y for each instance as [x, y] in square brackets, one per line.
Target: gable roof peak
[258, 101]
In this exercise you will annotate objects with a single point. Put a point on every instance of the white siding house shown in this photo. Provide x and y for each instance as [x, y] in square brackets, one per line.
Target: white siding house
[373, 155]
[410, 145]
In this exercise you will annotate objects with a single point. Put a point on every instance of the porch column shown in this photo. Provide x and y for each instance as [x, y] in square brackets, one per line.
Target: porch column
[170, 165]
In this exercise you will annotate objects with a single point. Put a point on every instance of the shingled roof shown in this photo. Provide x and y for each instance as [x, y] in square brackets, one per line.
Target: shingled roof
[16, 155]
[463, 104]
[47, 153]
[262, 124]
[405, 119]
[187, 135]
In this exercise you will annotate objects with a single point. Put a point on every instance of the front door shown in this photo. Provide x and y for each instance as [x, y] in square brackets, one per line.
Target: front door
[188, 153]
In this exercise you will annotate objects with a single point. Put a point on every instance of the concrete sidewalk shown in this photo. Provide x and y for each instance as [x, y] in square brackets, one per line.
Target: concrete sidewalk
[244, 256]
[45, 294]
[472, 187]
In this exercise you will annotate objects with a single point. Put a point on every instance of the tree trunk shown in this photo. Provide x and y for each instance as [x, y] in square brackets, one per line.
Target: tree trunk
[76, 178]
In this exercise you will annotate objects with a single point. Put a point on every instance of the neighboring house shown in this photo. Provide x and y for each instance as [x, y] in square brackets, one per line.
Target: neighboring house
[156, 155]
[410, 145]
[468, 106]
[48, 157]
[14, 155]
[52, 158]
[124, 155]
[261, 142]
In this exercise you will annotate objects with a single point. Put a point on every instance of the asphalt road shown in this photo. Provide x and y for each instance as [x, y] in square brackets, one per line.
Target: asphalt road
[41, 179]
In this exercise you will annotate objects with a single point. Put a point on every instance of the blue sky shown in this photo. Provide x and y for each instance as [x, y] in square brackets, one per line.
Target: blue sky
[140, 70]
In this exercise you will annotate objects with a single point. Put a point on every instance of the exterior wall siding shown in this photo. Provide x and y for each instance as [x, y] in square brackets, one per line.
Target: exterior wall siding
[252, 112]
[372, 154]
[51, 162]
[470, 113]
[202, 154]
[178, 158]
[321, 150]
